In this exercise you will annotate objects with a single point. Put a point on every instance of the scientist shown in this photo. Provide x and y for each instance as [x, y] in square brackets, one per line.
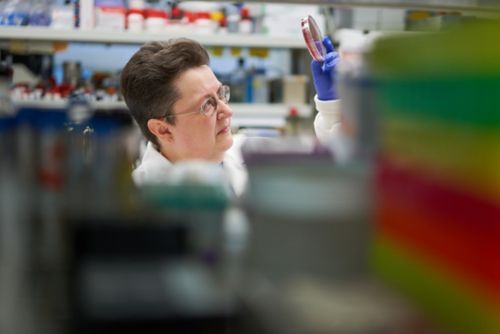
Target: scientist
[182, 109]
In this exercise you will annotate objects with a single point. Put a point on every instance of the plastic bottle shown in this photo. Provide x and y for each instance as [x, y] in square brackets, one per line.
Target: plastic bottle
[41, 13]
[260, 86]
[110, 15]
[156, 20]
[249, 98]
[135, 20]
[78, 109]
[246, 23]
[204, 23]
[62, 15]
[292, 122]
[222, 29]
[258, 11]
[176, 13]
[232, 18]
[238, 82]
[84, 14]
[15, 13]
[135, 16]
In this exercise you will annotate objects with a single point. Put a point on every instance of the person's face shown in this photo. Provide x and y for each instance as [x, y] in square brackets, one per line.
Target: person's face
[194, 135]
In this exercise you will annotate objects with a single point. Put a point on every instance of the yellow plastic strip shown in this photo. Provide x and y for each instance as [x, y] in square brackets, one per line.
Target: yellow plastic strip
[462, 155]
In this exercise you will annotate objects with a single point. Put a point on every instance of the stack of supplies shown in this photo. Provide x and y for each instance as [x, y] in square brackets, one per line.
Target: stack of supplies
[438, 173]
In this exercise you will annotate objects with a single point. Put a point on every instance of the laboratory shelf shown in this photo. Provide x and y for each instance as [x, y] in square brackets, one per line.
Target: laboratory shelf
[47, 34]
[244, 114]
[265, 115]
[486, 6]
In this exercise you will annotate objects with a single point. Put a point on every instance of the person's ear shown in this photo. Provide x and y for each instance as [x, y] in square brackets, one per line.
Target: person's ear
[161, 129]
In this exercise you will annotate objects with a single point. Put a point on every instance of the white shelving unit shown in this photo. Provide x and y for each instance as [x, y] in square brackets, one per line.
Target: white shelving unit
[40, 39]
[42, 34]
[262, 115]
[485, 6]
[244, 115]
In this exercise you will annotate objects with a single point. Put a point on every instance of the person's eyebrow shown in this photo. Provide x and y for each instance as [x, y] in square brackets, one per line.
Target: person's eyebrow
[217, 91]
[208, 95]
[203, 98]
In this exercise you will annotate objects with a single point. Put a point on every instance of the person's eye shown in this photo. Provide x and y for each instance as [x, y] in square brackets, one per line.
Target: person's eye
[223, 94]
[208, 107]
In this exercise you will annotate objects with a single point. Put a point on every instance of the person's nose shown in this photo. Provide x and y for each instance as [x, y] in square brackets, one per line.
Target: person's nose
[223, 111]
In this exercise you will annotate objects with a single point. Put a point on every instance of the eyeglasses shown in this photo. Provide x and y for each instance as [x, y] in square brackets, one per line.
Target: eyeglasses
[209, 106]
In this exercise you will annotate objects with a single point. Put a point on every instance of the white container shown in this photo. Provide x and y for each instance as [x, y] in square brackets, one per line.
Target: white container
[205, 26]
[62, 17]
[246, 26]
[260, 88]
[87, 15]
[110, 18]
[233, 22]
[294, 89]
[155, 24]
[135, 21]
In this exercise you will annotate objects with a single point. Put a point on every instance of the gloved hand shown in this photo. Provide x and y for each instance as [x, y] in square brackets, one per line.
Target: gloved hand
[323, 73]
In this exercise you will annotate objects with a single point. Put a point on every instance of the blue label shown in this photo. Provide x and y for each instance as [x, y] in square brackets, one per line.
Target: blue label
[14, 19]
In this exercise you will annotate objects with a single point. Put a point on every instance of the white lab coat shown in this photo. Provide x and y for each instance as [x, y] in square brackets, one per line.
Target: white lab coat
[154, 166]
[328, 128]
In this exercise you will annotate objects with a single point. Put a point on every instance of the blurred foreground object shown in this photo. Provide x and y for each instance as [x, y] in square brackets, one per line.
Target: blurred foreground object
[438, 186]
[82, 250]
[306, 267]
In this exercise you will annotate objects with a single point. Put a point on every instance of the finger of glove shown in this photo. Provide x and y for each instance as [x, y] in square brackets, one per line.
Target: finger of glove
[331, 62]
[316, 68]
[328, 44]
[331, 56]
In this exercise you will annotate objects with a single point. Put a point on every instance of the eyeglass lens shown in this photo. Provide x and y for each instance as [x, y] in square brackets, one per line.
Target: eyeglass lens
[210, 105]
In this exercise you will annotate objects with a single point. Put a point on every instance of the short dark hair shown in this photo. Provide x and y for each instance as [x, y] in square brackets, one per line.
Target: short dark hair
[148, 79]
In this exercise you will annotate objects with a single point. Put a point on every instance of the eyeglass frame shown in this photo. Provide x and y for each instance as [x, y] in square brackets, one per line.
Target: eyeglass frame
[223, 94]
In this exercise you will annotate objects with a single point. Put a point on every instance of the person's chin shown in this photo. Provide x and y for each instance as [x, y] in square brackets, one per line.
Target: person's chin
[223, 147]
[228, 141]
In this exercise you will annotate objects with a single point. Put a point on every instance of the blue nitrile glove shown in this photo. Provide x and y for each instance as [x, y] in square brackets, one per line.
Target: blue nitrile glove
[323, 73]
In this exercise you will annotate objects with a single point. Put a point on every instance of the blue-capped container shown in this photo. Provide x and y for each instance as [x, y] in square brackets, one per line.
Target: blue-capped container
[15, 13]
[79, 109]
[40, 13]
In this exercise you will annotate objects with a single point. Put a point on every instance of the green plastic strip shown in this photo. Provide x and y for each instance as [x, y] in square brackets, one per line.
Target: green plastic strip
[472, 48]
[473, 100]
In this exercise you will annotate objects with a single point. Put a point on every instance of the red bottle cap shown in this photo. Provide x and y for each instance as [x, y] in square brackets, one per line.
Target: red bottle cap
[153, 12]
[245, 12]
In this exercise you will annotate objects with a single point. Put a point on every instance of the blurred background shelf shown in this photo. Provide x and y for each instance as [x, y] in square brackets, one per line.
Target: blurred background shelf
[245, 114]
[457, 5]
[43, 34]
